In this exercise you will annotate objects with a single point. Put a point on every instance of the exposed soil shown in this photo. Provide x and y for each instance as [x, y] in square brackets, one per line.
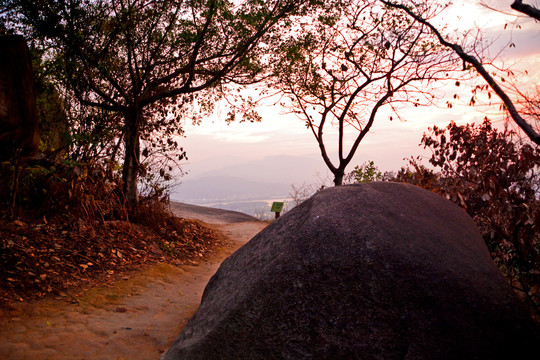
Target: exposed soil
[135, 313]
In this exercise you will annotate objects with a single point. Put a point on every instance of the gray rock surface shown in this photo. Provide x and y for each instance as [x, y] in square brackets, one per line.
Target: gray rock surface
[371, 271]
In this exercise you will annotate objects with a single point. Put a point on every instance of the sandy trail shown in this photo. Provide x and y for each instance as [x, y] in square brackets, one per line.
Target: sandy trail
[138, 318]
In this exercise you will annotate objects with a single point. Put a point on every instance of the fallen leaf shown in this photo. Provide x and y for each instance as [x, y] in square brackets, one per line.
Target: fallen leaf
[18, 223]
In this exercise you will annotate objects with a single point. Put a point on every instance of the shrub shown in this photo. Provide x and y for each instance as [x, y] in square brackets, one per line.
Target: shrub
[88, 191]
[367, 172]
[496, 179]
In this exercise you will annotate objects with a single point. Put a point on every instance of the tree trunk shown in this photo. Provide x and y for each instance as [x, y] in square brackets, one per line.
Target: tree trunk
[132, 156]
[338, 177]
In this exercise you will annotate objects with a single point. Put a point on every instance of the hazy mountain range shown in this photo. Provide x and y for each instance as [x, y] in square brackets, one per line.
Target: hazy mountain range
[268, 178]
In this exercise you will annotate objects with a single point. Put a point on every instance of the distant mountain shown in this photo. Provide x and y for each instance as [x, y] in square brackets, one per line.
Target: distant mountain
[214, 188]
[250, 180]
[280, 168]
[212, 163]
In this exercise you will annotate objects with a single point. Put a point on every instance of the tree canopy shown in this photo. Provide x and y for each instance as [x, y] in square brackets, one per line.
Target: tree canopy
[151, 62]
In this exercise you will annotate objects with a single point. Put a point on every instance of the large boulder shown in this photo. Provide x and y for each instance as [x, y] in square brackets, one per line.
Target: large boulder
[371, 271]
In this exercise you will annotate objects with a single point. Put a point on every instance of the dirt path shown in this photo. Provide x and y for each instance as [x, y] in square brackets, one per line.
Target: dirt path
[138, 318]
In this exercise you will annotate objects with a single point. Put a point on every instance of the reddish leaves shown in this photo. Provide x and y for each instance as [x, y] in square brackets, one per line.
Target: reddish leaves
[39, 259]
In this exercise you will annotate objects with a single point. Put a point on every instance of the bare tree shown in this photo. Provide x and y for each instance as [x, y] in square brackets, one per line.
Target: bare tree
[477, 63]
[341, 70]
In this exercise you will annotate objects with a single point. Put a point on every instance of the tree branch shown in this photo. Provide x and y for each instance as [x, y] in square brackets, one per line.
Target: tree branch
[198, 44]
[526, 127]
[236, 57]
[533, 12]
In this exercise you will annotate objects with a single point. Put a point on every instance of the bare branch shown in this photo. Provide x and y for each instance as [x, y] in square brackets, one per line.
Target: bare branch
[343, 72]
[477, 64]
[533, 12]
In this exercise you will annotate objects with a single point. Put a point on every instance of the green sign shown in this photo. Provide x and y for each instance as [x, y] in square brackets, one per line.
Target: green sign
[277, 206]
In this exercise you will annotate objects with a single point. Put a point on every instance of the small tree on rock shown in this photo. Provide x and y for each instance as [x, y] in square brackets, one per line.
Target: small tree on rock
[341, 69]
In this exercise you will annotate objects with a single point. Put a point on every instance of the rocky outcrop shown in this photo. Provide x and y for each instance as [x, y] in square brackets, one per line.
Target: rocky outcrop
[18, 114]
[371, 271]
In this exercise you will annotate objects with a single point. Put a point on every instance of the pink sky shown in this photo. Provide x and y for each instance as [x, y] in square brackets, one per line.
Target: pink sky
[389, 141]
